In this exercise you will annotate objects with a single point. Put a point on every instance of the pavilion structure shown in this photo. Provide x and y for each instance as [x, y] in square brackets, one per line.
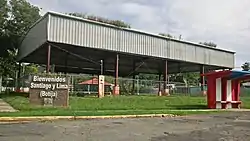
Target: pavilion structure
[74, 45]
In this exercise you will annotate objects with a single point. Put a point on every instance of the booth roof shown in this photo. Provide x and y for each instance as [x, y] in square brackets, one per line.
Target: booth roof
[239, 74]
[230, 74]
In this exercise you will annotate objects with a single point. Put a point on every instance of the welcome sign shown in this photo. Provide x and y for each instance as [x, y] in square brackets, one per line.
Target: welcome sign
[49, 90]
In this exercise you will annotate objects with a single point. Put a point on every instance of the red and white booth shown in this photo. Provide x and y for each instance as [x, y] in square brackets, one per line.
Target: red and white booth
[223, 88]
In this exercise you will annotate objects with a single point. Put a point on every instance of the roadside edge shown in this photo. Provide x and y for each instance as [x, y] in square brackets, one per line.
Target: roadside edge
[52, 118]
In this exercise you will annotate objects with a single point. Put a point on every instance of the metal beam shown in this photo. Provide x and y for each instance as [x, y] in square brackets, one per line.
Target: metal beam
[48, 58]
[116, 69]
[202, 78]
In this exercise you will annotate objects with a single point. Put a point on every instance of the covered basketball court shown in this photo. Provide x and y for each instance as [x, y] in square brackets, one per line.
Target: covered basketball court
[76, 45]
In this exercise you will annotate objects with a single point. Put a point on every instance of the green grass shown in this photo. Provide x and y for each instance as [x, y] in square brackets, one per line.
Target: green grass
[245, 102]
[122, 105]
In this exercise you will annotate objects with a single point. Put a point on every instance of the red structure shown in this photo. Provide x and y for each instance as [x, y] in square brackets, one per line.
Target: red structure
[94, 81]
[223, 88]
[93, 86]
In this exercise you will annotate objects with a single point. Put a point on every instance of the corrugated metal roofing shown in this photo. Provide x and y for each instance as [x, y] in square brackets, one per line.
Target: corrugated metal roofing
[66, 29]
[135, 30]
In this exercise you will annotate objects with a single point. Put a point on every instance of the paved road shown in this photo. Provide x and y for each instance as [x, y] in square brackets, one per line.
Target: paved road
[234, 126]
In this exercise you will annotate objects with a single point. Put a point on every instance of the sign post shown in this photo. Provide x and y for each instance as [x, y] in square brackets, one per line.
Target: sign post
[49, 90]
[101, 86]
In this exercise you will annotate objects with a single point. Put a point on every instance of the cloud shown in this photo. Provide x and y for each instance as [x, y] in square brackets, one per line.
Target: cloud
[225, 22]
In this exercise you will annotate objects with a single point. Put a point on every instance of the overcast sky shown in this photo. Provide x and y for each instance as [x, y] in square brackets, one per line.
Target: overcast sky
[224, 22]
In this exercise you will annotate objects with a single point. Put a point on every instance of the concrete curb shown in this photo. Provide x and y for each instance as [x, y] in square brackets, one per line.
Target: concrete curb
[52, 118]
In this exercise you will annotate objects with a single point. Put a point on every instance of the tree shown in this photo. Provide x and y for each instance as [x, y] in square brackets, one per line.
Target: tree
[189, 78]
[16, 17]
[22, 16]
[117, 23]
[81, 15]
[30, 69]
[166, 35]
[246, 66]
[3, 16]
[15, 20]
[8, 64]
[4, 10]
[211, 44]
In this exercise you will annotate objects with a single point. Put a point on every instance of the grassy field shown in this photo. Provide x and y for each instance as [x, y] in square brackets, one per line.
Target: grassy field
[124, 105]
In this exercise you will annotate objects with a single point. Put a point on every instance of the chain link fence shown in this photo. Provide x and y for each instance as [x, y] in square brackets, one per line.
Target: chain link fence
[88, 85]
[82, 85]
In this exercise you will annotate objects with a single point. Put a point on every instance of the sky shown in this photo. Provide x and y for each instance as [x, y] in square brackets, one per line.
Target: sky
[224, 22]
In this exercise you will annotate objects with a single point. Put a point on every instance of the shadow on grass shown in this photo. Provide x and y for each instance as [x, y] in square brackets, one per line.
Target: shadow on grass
[187, 107]
[14, 94]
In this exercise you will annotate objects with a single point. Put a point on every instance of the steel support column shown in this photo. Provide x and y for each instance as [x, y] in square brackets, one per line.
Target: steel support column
[134, 66]
[165, 78]
[159, 87]
[66, 63]
[1, 83]
[202, 79]
[48, 59]
[19, 76]
[102, 67]
[116, 90]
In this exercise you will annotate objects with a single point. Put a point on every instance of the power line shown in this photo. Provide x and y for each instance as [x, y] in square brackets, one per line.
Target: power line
[136, 69]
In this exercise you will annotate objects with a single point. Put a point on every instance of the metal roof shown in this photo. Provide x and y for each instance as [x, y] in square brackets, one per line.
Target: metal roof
[130, 29]
[235, 74]
[94, 41]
